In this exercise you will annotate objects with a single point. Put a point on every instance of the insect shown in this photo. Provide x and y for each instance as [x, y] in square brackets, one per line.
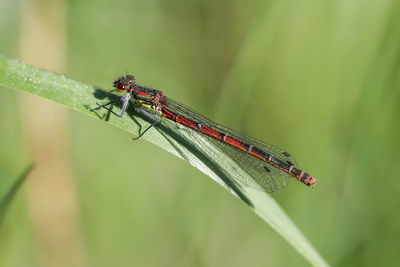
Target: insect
[270, 167]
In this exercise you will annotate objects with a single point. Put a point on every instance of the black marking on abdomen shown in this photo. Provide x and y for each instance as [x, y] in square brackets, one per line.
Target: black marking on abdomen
[248, 147]
[259, 151]
[222, 137]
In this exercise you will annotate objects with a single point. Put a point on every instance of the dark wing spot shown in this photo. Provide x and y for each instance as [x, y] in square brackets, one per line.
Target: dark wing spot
[267, 169]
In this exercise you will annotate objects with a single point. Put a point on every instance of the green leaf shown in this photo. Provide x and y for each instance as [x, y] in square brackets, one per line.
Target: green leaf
[168, 135]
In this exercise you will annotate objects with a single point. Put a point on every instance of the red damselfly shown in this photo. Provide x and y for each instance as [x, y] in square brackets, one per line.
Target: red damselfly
[269, 166]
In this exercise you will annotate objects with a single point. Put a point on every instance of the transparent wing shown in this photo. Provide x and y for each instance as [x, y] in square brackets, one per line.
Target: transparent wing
[264, 175]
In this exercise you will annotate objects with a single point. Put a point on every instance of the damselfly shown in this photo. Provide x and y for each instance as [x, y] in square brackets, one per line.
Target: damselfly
[269, 166]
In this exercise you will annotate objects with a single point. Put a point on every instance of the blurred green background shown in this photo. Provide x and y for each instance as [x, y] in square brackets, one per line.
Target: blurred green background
[318, 78]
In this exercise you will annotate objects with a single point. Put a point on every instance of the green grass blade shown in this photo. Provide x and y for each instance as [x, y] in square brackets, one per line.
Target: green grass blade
[179, 141]
[8, 197]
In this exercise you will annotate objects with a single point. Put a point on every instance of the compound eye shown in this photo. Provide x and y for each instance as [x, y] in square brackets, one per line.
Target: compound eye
[121, 86]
